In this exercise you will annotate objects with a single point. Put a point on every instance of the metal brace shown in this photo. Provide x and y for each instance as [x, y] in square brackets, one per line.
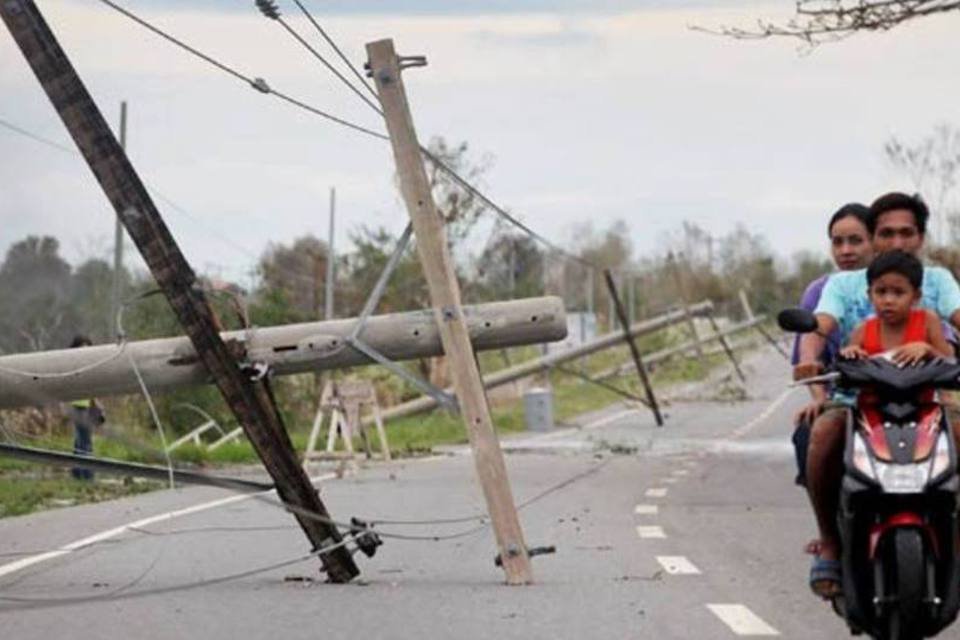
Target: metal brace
[442, 397]
[405, 62]
[531, 552]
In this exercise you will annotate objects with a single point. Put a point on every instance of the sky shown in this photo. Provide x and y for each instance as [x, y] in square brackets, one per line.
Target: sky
[591, 111]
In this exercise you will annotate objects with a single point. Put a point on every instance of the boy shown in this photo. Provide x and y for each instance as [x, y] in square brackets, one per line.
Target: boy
[894, 281]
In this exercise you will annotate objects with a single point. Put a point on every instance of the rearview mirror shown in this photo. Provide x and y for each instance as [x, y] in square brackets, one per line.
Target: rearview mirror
[797, 321]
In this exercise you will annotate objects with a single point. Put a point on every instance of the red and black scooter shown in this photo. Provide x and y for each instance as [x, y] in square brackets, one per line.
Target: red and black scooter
[898, 501]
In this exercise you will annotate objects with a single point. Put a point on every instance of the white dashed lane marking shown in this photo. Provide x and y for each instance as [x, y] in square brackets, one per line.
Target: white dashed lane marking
[681, 472]
[648, 533]
[646, 510]
[659, 492]
[741, 620]
[678, 566]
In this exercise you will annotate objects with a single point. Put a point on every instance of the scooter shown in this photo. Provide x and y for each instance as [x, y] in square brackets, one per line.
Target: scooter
[898, 502]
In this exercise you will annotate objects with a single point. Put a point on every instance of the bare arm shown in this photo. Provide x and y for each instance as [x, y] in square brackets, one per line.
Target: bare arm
[935, 336]
[854, 349]
[812, 346]
[811, 351]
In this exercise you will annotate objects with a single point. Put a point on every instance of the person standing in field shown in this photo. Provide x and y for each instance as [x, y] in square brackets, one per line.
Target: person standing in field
[86, 415]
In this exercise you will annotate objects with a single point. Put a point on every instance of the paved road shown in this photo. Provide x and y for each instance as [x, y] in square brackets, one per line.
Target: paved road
[691, 531]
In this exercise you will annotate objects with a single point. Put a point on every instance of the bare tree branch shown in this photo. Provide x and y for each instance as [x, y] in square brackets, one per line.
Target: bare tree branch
[818, 21]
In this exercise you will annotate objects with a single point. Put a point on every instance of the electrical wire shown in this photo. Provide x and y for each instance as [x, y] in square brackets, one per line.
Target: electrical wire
[50, 143]
[215, 232]
[31, 603]
[438, 162]
[316, 54]
[333, 45]
[39, 375]
[258, 84]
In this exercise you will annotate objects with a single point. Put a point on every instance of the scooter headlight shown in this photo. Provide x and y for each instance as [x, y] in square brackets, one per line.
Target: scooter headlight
[861, 459]
[903, 478]
[941, 457]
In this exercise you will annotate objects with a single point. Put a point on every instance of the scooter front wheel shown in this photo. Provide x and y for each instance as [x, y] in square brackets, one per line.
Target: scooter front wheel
[905, 582]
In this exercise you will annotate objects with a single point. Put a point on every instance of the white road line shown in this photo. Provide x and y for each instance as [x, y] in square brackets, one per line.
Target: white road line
[651, 533]
[766, 413]
[741, 620]
[678, 566]
[670, 480]
[23, 563]
[646, 510]
[659, 492]
[680, 472]
[602, 422]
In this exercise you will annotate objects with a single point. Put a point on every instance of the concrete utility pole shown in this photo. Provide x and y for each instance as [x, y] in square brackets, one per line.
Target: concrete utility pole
[172, 363]
[432, 246]
[532, 367]
[245, 390]
[116, 294]
[331, 258]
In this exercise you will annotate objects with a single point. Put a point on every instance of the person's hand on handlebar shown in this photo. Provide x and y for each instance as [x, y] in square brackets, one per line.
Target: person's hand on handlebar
[854, 352]
[912, 353]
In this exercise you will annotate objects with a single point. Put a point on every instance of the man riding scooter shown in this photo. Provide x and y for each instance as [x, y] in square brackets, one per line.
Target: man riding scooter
[896, 221]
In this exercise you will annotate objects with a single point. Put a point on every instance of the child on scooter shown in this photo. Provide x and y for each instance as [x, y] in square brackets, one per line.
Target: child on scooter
[912, 335]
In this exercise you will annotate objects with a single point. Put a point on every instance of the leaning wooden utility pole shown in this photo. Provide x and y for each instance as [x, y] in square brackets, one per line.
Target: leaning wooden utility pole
[245, 390]
[634, 351]
[432, 247]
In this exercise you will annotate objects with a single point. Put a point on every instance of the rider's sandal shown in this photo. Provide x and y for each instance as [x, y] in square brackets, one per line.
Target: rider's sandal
[825, 578]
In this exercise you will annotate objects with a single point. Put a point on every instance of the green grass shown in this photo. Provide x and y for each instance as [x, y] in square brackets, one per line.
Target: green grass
[23, 491]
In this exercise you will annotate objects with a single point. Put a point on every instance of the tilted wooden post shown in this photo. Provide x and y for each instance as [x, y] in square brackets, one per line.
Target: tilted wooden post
[445, 296]
[249, 399]
[634, 351]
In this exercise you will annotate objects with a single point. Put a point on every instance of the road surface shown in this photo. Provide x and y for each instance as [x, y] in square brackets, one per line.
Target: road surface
[694, 530]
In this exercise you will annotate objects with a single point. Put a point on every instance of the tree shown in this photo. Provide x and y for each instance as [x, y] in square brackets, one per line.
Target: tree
[90, 298]
[406, 289]
[35, 290]
[817, 21]
[933, 166]
[293, 280]
[510, 266]
[459, 207]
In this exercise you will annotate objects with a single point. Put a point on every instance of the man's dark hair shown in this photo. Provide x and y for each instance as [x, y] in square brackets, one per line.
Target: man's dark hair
[850, 210]
[80, 341]
[896, 261]
[894, 201]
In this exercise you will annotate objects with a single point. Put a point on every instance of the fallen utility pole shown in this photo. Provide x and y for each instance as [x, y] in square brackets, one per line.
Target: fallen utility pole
[172, 363]
[634, 351]
[386, 66]
[727, 348]
[547, 362]
[120, 467]
[670, 352]
[245, 389]
[748, 312]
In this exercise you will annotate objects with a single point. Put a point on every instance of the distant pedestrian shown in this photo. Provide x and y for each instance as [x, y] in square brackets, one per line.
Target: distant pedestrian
[86, 415]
